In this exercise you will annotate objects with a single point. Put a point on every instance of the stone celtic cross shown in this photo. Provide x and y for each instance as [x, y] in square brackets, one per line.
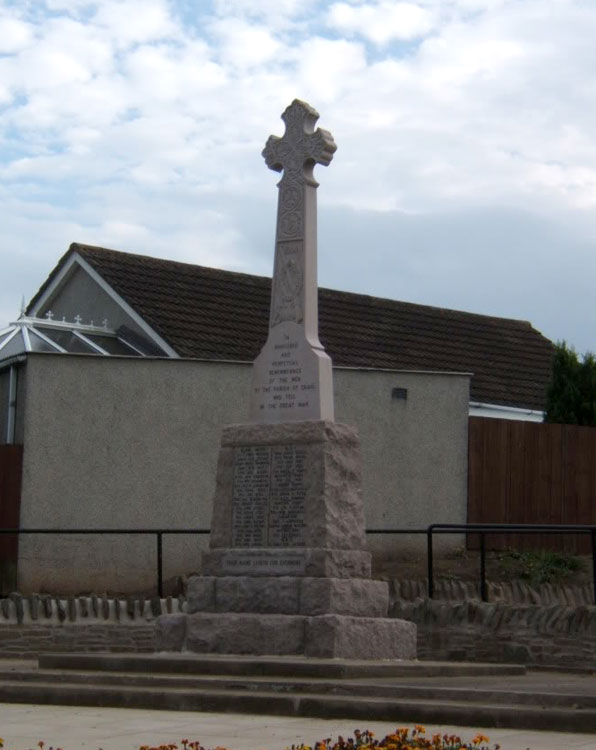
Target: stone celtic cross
[292, 378]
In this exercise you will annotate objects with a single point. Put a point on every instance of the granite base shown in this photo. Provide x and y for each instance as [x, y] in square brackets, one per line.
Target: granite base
[323, 636]
[288, 595]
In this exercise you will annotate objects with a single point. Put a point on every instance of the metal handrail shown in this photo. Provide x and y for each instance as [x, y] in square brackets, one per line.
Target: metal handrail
[159, 533]
[437, 528]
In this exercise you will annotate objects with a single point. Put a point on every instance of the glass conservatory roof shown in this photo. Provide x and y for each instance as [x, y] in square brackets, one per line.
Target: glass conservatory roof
[29, 334]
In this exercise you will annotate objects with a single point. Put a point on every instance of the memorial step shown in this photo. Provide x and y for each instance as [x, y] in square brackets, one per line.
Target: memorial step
[298, 666]
[476, 709]
[380, 688]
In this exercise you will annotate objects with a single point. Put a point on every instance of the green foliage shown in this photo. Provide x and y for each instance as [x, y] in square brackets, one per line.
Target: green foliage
[571, 398]
[540, 566]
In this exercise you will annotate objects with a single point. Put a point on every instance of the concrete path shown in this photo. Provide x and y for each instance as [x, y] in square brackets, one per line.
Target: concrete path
[22, 726]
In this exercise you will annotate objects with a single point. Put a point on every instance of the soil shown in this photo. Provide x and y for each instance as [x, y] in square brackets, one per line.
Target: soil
[465, 565]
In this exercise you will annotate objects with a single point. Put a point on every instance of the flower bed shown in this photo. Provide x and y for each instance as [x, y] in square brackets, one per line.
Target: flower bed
[402, 739]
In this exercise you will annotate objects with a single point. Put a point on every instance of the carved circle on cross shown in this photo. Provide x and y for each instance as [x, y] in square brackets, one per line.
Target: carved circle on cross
[290, 224]
[291, 197]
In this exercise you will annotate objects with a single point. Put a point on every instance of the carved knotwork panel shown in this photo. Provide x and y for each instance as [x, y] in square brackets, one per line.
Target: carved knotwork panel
[287, 299]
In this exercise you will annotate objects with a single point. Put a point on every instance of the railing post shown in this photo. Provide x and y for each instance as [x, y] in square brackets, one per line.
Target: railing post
[483, 588]
[159, 566]
[593, 538]
[429, 561]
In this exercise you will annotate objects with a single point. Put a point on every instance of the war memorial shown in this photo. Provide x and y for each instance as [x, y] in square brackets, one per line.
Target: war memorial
[288, 572]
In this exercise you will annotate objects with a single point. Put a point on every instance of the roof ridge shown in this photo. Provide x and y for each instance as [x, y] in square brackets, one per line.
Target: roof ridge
[84, 249]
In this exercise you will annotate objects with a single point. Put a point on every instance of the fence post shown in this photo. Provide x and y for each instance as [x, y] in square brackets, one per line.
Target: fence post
[483, 588]
[159, 566]
[429, 561]
[593, 538]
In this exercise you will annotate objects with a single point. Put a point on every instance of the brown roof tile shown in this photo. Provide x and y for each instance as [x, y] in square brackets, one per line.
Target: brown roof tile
[209, 313]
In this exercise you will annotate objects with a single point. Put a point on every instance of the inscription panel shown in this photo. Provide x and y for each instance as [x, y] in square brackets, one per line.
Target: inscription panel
[268, 496]
[263, 562]
[285, 377]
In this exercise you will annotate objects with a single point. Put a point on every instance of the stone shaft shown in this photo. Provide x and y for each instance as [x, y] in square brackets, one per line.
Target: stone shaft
[292, 376]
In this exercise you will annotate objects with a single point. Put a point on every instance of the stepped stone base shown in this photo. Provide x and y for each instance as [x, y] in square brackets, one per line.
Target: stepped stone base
[288, 572]
[288, 595]
[323, 636]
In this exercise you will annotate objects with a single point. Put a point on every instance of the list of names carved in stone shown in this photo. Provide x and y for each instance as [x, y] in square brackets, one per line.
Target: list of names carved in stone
[268, 496]
[286, 496]
[250, 496]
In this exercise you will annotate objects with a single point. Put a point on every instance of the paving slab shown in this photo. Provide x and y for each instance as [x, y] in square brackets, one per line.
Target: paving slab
[72, 728]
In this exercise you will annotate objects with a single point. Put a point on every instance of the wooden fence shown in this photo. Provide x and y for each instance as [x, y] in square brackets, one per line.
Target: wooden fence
[527, 472]
[11, 465]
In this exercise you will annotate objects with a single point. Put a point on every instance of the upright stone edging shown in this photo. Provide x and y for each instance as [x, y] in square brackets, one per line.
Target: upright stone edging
[18, 609]
[509, 592]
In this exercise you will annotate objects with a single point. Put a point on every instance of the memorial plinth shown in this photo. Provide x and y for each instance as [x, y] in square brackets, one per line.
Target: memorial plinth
[287, 571]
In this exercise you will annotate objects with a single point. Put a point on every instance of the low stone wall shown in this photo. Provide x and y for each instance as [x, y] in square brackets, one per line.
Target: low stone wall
[555, 636]
[20, 641]
[40, 623]
[456, 627]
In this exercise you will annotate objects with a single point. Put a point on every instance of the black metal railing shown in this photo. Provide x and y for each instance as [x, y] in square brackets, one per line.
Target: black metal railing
[482, 529]
[158, 533]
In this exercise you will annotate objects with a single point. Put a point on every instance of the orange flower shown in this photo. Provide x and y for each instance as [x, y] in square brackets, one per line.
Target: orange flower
[479, 738]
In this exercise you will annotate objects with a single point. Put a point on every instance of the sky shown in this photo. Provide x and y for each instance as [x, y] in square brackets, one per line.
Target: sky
[465, 174]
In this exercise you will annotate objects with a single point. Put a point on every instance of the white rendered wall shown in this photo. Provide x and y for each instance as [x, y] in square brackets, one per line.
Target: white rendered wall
[115, 442]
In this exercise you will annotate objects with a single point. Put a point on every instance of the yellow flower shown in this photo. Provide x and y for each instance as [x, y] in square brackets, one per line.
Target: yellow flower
[479, 738]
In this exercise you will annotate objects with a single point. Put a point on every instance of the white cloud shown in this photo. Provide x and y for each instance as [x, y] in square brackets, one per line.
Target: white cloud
[381, 22]
[14, 34]
[169, 73]
[275, 14]
[123, 124]
[326, 68]
[135, 21]
[244, 45]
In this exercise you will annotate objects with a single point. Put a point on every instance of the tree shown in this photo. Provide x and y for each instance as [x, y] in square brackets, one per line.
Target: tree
[571, 398]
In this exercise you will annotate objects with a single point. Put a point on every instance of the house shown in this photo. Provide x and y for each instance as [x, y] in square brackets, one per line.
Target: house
[128, 438]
